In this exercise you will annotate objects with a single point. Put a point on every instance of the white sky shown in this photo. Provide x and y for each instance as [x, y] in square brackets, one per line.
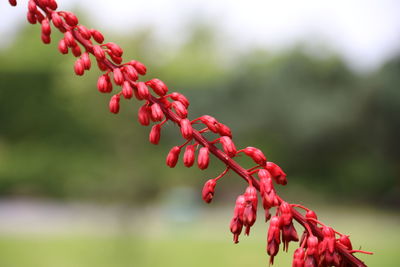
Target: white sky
[364, 32]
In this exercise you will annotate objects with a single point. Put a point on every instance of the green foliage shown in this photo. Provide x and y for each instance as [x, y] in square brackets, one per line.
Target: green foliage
[329, 128]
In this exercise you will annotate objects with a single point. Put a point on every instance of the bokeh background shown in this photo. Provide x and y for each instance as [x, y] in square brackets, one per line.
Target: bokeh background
[315, 84]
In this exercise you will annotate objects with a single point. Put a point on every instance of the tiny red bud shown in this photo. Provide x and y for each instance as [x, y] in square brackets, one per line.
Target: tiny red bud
[173, 156]
[127, 90]
[181, 98]
[52, 4]
[277, 174]
[32, 6]
[76, 50]
[57, 20]
[46, 39]
[180, 109]
[155, 134]
[188, 156]
[139, 66]
[46, 29]
[228, 146]
[143, 91]
[224, 130]
[298, 257]
[131, 72]
[144, 115]
[115, 59]
[256, 154]
[114, 104]
[158, 86]
[203, 158]
[312, 246]
[118, 76]
[13, 2]
[156, 112]
[115, 49]
[99, 52]
[62, 47]
[79, 67]
[210, 122]
[70, 18]
[273, 238]
[186, 128]
[310, 214]
[69, 39]
[103, 83]
[84, 32]
[345, 240]
[31, 17]
[97, 36]
[101, 65]
[86, 60]
[208, 190]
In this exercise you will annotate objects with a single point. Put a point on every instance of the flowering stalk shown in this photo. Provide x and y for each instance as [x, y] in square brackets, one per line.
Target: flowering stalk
[320, 245]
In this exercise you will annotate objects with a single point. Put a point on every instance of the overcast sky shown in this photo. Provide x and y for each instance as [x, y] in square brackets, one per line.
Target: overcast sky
[364, 32]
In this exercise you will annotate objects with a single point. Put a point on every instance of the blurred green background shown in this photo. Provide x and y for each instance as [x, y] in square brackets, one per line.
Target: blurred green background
[80, 186]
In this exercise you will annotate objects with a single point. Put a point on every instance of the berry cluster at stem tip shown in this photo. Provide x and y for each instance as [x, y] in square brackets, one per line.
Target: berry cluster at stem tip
[319, 244]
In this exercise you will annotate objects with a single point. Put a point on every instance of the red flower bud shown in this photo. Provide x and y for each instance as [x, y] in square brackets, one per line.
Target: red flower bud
[311, 215]
[286, 213]
[31, 17]
[188, 157]
[76, 50]
[57, 21]
[46, 29]
[250, 209]
[32, 6]
[69, 39]
[139, 66]
[156, 112]
[115, 49]
[312, 246]
[99, 52]
[236, 224]
[256, 154]
[277, 174]
[273, 239]
[46, 39]
[345, 240]
[62, 47]
[84, 32]
[101, 65]
[298, 258]
[118, 76]
[114, 104]
[52, 4]
[155, 134]
[208, 190]
[173, 156]
[142, 90]
[86, 60]
[79, 67]
[13, 2]
[158, 86]
[224, 130]
[103, 83]
[144, 115]
[289, 234]
[131, 72]
[180, 109]
[186, 128]
[127, 90]
[181, 98]
[203, 158]
[97, 36]
[228, 146]
[210, 122]
[310, 262]
[70, 18]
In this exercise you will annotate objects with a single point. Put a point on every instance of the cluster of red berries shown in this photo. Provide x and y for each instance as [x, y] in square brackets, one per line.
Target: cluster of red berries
[320, 245]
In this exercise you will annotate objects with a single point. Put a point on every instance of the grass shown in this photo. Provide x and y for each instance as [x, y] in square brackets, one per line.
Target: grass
[203, 242]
